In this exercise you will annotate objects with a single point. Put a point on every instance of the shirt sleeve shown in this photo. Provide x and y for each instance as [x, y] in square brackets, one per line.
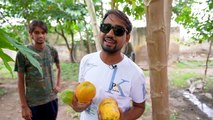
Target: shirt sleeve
[20, 62]
[138, 91]
[81, 69]
[55, 55]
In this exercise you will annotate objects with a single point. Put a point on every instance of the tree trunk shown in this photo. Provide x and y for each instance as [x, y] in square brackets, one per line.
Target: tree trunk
[88, 44]
[88, 40]
[72, 56]
[29, 37]
[207, 59]
[112, 4]
[81, 48]
[66, 41]
[92, 14]
[158, 15]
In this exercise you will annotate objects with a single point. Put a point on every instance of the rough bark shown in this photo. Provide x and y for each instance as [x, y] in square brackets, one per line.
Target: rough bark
[158, 15]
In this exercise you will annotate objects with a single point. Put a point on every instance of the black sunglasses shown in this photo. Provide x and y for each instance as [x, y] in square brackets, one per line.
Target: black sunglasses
[117, 29]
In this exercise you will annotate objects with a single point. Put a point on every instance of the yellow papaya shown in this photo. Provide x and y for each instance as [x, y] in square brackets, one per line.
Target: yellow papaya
[108, 109]
[85, 92]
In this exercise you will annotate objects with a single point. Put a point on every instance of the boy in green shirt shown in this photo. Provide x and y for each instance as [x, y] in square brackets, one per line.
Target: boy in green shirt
[38, 94]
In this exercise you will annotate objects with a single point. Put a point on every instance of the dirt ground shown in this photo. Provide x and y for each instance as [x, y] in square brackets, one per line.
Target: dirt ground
[179, 105]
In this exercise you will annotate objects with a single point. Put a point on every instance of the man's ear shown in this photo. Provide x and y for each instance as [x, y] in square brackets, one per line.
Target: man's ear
[127, 38]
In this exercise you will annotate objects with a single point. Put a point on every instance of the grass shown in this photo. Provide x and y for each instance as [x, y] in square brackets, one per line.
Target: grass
[173, 116]
[69, 71]
[5, 73]
[179, 78]
[2, 91]
[193, 64]
[209, 84]
[148, 108]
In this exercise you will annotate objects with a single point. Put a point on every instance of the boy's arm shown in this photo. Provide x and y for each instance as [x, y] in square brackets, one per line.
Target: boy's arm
[58, 78]
[21, 89]
[26, 112]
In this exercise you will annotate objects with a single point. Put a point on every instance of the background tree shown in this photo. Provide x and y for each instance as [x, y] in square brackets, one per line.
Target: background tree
[198, 21]
[67, 14]
[158, 16]
[94, 23]
[134, 8]
[25, 10]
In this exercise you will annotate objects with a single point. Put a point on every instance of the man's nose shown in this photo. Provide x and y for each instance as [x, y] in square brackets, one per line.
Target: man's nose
[111, 33]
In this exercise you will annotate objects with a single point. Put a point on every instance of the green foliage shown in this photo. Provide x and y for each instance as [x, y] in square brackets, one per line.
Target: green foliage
[65, 13]
[179, 78]
[6, 45]
[69, 71]
[173, 116]
[209, 84]
[27, 10]
[192, 64]
[133, 8]
[2, 91]
[11, 44]
[200, 21]
[65, 10]
[148, 108]
[183, 11]
[5, 74]
[210, 4]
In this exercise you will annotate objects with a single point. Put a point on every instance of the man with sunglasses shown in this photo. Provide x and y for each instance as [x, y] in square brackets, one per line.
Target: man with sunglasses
[113, 74]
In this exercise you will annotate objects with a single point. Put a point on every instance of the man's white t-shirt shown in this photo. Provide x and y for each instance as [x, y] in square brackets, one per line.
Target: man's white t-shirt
[124, 82]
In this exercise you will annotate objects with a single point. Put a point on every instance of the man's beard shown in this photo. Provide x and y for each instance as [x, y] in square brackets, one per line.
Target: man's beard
[109, 50]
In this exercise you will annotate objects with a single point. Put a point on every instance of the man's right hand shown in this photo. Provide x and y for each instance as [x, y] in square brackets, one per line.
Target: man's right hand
[79, 107]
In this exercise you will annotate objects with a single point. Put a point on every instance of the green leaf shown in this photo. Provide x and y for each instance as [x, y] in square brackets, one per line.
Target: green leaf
[4, 42]
[6, 59]
[23, 49]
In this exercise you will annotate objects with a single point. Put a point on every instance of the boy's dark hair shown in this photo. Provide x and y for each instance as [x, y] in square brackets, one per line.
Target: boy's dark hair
[122, 16]
[37, 23]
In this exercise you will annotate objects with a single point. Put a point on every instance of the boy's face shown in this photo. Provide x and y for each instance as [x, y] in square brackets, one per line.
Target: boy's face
[38, 35]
